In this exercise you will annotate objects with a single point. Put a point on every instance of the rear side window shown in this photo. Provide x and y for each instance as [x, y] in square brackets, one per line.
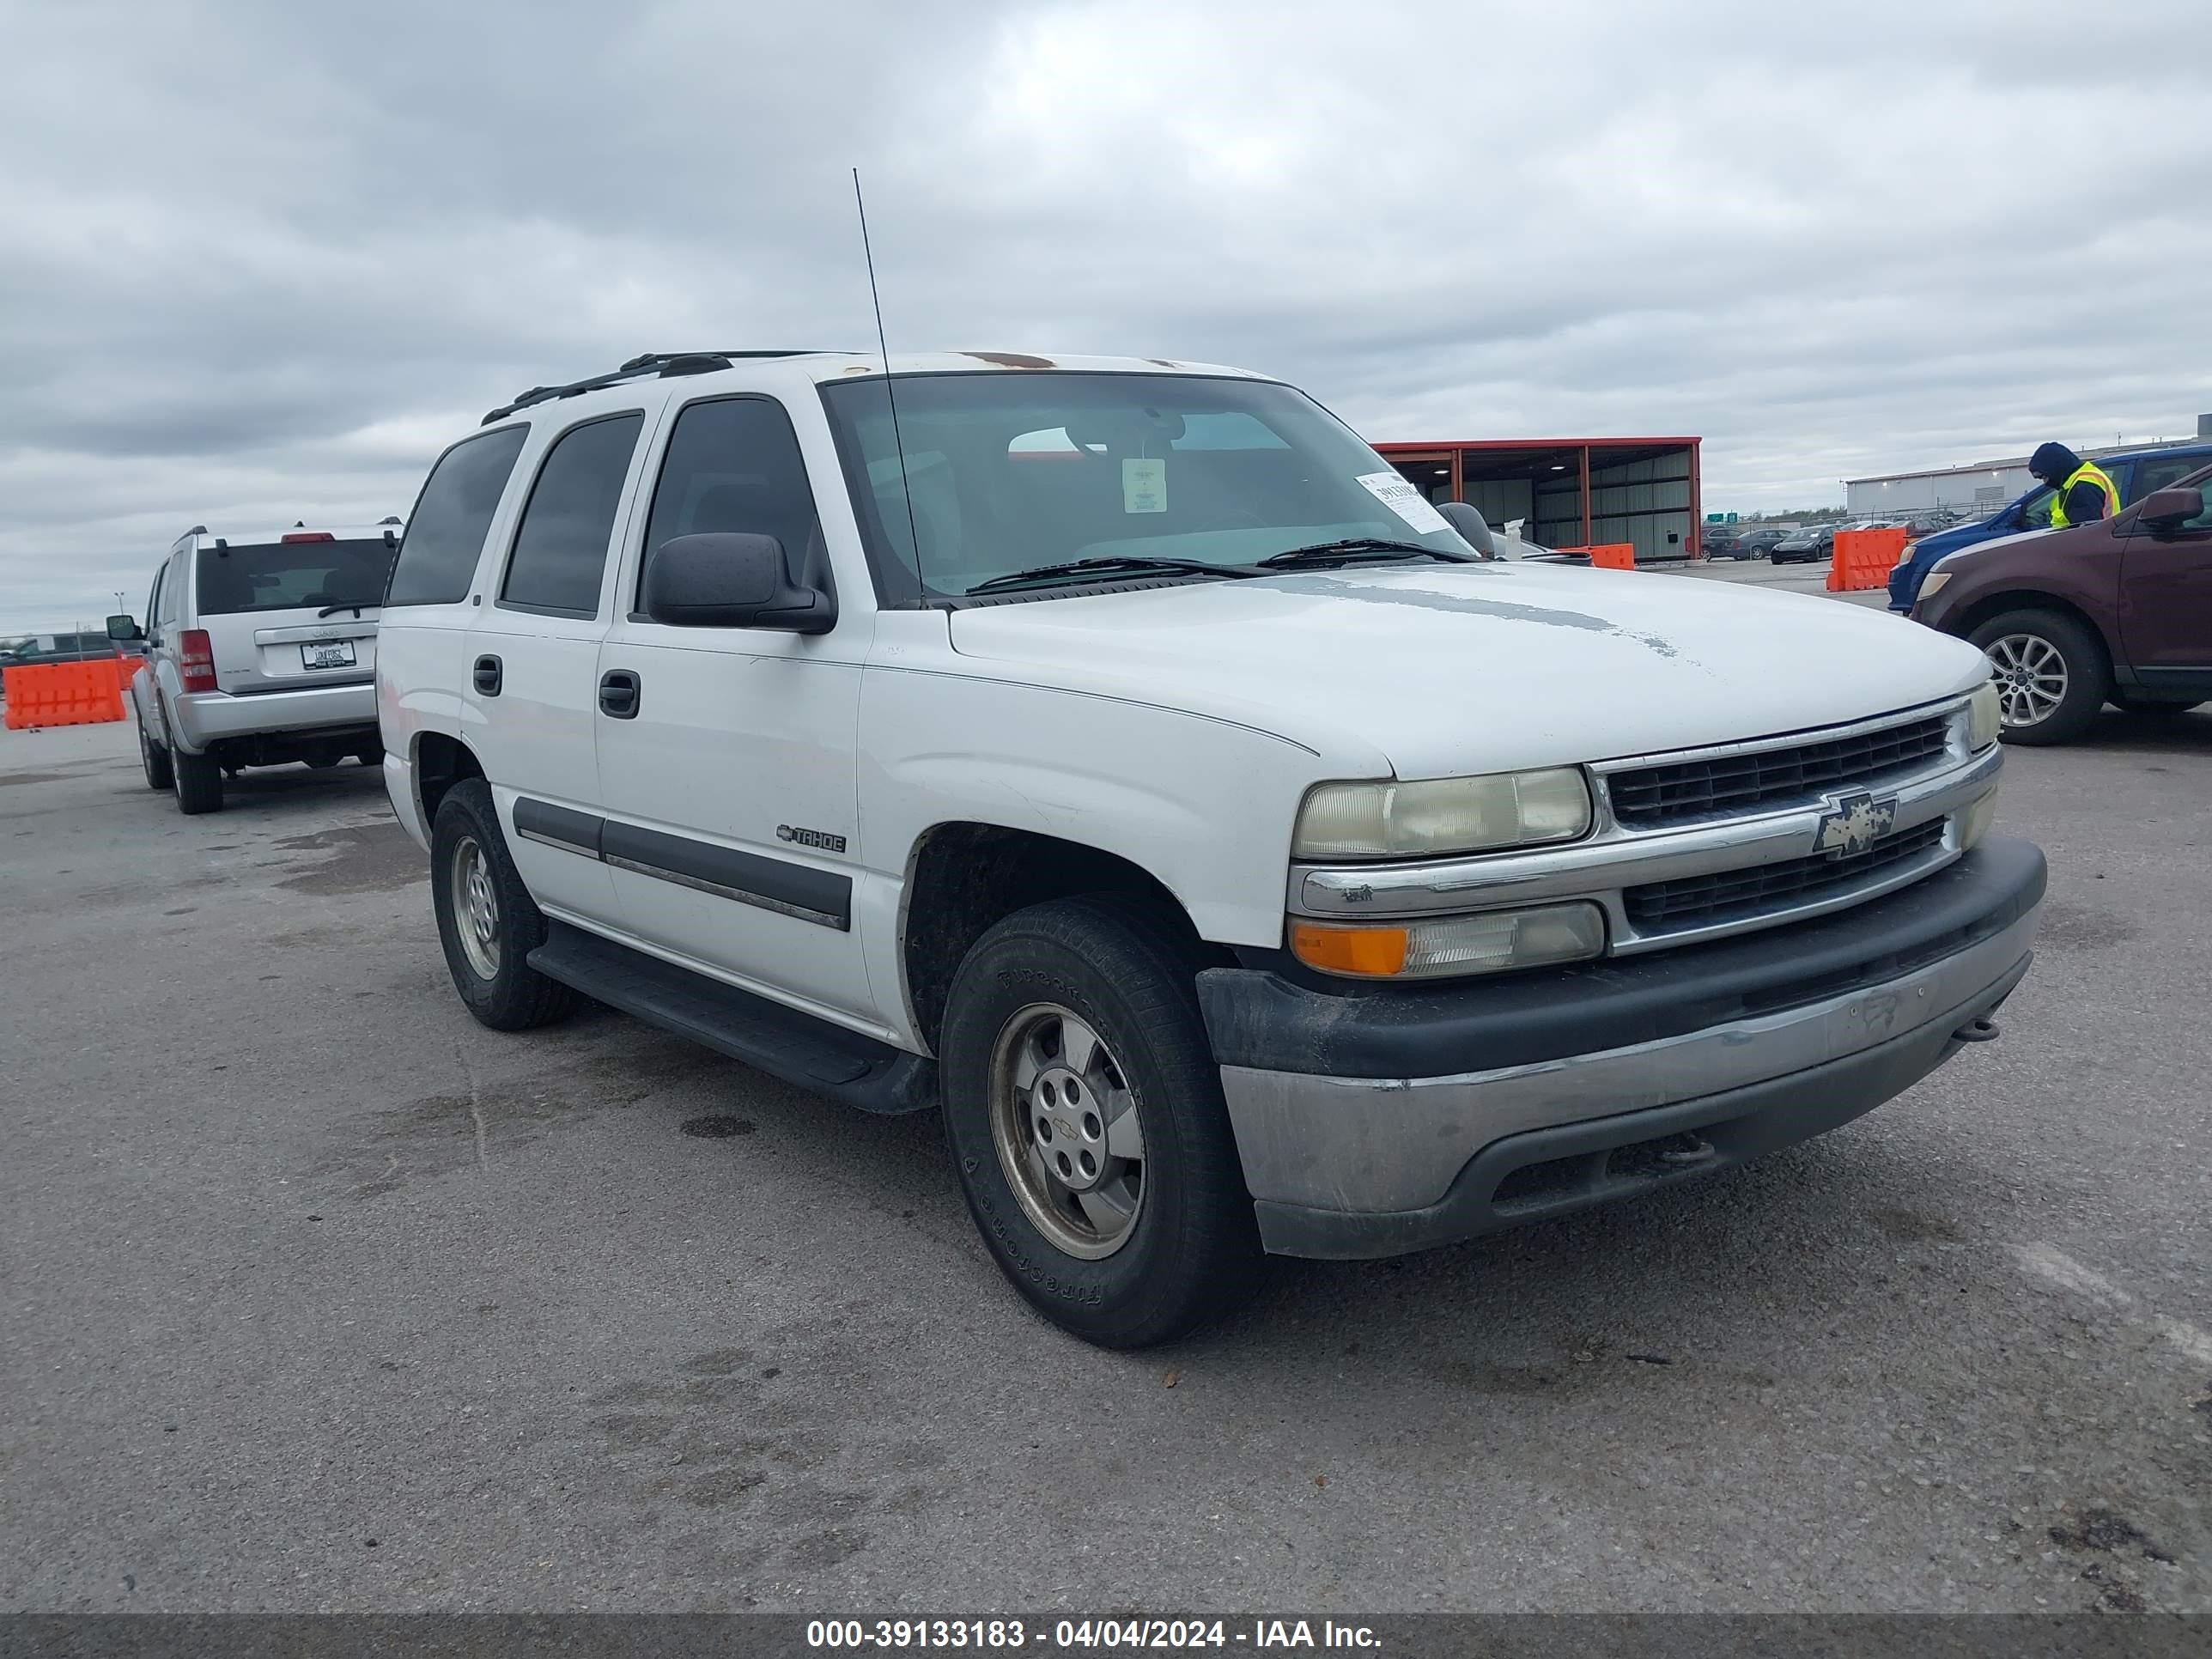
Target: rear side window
[734, 465]
[173, 582]
[560, 545]
[446, 533]
[292, 575]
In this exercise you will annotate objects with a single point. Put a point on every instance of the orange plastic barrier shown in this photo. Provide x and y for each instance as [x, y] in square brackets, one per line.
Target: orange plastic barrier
[1609, 556]
[1864, 558]
[64, 693]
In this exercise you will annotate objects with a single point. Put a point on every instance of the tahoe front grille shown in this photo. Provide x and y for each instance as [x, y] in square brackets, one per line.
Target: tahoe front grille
[1683, 792]
[1702, 901]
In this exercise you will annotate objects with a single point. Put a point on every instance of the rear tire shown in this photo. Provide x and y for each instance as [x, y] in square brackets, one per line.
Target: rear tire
[1151, 1234]
[197, 781]
[2052, 675]
[155, 757]
[487, 921]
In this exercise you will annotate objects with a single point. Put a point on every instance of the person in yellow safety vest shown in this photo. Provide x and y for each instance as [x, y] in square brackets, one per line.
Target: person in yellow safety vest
[2085, 491]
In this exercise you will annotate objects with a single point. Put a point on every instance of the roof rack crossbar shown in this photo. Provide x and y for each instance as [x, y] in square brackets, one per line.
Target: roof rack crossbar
[662, 364]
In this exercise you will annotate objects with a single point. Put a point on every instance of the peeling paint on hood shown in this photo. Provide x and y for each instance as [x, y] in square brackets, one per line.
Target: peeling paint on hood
[1448, 669]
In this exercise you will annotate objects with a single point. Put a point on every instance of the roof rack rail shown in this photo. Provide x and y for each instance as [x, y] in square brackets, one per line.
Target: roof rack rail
[664, 365]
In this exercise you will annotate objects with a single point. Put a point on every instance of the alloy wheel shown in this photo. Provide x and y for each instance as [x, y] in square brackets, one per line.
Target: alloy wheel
[1065, 1123]
[2031, 678]
[475, 908]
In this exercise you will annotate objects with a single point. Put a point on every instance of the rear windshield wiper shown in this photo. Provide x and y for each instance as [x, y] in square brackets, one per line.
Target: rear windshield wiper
[1118, 564]
[355, 605]
[1359, 548]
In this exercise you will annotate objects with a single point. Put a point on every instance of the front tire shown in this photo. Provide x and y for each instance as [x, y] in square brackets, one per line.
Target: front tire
[2051, 672]
[197, 781]
[487, 921]
[155, 757]
[1083, 1108]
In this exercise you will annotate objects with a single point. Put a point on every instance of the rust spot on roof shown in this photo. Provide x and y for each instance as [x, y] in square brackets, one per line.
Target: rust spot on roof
[1011, 359]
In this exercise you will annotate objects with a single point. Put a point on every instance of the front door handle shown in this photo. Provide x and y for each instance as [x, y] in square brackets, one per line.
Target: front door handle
[487, 677]
[618, 694]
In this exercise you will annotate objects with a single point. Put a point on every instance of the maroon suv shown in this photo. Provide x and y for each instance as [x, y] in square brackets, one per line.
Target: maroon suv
[2116, 611]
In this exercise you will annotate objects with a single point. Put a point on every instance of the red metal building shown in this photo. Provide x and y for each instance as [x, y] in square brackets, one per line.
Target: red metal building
[1572, 492]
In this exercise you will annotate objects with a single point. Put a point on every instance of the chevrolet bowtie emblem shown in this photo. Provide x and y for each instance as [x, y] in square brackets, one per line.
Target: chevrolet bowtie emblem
[1854, 822]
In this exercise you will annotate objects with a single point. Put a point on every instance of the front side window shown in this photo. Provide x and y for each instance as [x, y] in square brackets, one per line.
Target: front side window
[1004, 472]
[560, 545]
[734, 465]
[2035, 515]
[303, 575]
[445, 531]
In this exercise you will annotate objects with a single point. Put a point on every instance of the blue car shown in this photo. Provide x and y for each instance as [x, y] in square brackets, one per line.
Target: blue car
[2137, 475]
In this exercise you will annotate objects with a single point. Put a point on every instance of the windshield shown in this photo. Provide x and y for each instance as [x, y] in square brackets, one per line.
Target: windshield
[1009, 471]
[293, 575]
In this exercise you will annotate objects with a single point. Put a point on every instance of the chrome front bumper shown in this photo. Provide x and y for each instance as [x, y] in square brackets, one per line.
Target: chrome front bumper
[1348, 1166]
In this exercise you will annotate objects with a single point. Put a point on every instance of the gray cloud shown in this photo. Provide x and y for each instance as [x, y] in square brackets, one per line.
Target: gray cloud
[263, 260]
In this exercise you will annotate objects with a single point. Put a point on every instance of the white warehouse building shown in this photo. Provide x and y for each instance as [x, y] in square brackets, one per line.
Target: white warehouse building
[1979, 489]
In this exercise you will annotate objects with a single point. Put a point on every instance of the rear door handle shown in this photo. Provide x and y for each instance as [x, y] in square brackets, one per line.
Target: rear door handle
[618, 694]
[488, 677]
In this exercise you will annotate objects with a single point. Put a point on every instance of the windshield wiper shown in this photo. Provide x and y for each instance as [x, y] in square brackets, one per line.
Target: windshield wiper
[355, 605]
[1118, 564]
[1357, 548]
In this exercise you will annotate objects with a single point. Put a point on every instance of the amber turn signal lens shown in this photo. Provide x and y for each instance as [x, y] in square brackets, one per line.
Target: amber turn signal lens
[1379, 951]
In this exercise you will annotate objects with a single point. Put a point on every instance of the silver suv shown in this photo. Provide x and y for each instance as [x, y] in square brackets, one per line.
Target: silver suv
[260, 651]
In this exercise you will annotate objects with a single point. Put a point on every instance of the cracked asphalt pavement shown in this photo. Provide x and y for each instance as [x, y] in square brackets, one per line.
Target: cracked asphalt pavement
[318, 1296]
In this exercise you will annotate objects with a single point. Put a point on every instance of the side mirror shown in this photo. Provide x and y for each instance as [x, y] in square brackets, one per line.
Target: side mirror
[1473, 529]
[731, 579]
[2165, 509]
[123, 628]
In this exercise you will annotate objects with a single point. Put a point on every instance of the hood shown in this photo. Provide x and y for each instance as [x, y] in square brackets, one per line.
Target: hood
[2052, 462]
[1447, 669]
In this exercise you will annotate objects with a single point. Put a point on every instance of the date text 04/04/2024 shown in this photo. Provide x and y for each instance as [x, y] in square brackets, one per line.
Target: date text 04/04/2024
[1086, 1633]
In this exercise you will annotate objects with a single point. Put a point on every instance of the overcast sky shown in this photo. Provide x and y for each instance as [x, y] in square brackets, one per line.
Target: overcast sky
[259, 263]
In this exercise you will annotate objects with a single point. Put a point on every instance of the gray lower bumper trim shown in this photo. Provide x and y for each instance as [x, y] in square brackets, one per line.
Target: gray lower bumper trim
[1395, 1144]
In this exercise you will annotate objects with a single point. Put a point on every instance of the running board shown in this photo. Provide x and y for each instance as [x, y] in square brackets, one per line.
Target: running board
[785, 1043]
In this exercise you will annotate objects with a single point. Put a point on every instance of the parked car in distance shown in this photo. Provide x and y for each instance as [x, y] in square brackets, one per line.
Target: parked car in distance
[260, 650]
[27, 650]
[2118, 610]
[2137, 474]
[1098, 752]
[1803, 546]
[1739, 541]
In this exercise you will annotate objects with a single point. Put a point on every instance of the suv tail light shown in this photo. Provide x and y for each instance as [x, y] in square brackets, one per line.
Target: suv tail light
[195, 659]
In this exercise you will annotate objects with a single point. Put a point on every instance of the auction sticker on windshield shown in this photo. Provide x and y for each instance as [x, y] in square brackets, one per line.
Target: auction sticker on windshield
[1144, 486]
[1403, 499]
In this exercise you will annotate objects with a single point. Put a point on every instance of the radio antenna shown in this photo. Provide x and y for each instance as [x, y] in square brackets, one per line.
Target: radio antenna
[890, 391]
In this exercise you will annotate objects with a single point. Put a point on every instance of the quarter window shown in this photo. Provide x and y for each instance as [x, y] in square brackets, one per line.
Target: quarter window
[733, 465]
[446, 533]
[560, 545]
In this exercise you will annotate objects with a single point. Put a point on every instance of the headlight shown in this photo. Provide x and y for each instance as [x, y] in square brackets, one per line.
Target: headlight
[1932, 583]
[1442, 814]
[1984, 717]
[1487, 943]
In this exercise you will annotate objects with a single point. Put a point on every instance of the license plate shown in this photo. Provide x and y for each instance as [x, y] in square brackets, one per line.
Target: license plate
[337, 653]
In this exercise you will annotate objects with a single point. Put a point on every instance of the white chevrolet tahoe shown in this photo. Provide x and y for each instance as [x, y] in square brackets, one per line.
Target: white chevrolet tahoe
[1120, 757]
[260, 651]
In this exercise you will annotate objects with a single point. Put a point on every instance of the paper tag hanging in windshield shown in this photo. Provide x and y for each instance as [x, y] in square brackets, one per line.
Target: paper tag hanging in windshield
[1403, 499]
[1144, 486]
